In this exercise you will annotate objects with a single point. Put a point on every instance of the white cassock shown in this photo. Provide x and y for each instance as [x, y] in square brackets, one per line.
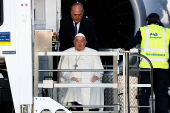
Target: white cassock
[84, 96]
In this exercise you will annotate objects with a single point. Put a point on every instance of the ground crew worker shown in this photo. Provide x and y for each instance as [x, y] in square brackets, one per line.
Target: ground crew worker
[154, 43]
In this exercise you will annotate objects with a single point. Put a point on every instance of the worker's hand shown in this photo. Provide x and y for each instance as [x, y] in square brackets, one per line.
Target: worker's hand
[95, 78]
[74, 79]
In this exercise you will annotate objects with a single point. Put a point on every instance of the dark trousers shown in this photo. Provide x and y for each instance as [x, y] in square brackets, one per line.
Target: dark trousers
[160, 86]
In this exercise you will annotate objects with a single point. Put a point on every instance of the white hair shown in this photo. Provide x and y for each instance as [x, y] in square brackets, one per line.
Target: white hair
[80, 34]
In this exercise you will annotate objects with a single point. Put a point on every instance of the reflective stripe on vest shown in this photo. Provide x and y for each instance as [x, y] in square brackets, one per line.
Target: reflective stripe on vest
[155, 59]
[155, 49]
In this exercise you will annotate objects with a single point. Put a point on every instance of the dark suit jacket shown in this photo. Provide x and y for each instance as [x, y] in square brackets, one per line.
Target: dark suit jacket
[67, 33]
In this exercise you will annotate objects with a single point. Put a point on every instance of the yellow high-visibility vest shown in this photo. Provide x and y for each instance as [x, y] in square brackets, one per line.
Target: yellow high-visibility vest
[155, 46]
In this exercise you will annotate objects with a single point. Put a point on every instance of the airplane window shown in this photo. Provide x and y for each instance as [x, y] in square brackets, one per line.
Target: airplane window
[1, 12]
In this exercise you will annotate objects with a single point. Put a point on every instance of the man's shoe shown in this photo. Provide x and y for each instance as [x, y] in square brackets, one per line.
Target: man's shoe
[93, 109]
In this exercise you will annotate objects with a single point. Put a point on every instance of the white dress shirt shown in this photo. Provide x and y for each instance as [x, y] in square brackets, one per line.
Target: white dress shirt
[78, 25]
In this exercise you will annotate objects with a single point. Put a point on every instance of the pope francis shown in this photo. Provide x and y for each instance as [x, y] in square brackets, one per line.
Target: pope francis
[82, 96]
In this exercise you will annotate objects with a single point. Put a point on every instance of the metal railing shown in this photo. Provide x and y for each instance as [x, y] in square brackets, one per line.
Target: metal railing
[114, 85]
[126, 70]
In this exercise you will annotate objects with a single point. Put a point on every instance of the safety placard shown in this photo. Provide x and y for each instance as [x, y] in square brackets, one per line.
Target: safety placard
[5, 39]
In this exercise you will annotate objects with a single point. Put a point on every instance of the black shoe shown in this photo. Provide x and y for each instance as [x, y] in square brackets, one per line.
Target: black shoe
[79, 108]
[93, 109]
[76, 109]
[71, 109]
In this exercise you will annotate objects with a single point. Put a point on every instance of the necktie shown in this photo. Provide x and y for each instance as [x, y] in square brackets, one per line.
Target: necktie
[75, 28]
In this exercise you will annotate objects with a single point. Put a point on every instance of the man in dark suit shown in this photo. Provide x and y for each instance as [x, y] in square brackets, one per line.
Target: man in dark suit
[76, 23]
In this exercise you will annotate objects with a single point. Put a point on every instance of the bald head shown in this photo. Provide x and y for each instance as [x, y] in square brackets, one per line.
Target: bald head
[81, 5]
[77, 12]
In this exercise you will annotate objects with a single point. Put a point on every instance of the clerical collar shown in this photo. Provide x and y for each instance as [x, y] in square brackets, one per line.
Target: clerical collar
[80, 51]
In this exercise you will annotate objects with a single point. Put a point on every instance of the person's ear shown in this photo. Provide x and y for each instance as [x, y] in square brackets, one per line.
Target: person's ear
[85, 42]
[158, 20]
[147, 22]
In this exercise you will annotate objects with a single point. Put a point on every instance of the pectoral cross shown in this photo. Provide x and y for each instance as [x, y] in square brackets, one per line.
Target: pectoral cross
[76, 62]
[75, 66]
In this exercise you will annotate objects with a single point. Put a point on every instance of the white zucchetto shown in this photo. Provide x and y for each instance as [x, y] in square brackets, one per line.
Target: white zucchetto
[80, 34]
